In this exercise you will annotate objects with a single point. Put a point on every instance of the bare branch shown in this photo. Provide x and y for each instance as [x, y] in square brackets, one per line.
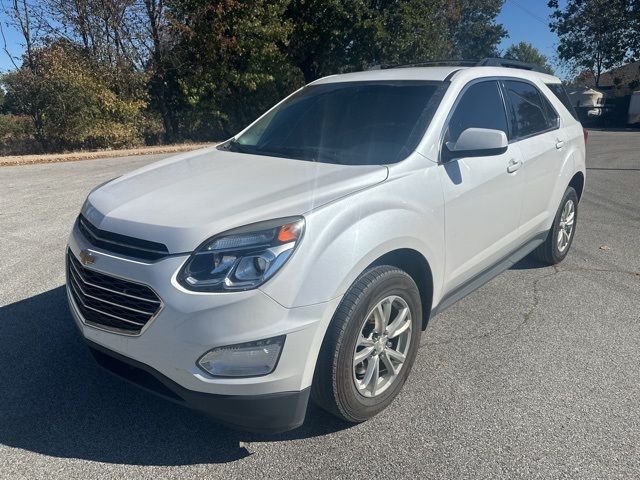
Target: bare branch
[6, 49]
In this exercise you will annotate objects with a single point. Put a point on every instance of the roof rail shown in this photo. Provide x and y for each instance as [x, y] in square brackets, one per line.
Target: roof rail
[485, 62]
[430, 63]
[509, 63]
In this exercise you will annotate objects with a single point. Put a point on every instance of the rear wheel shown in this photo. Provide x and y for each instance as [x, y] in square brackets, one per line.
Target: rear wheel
[560, 236]
[370, 345]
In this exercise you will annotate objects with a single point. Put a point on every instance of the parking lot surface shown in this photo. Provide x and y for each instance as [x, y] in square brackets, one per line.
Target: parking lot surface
[535, 375]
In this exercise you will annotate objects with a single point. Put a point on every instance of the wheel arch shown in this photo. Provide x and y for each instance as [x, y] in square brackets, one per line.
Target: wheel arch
[577, 182]
[418, 268]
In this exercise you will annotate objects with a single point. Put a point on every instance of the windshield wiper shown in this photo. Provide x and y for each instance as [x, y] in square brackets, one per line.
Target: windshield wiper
[333, 156]
[234, 146]
[308, 153]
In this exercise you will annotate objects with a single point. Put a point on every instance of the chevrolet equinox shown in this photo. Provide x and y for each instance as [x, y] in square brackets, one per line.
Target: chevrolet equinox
[302, 258]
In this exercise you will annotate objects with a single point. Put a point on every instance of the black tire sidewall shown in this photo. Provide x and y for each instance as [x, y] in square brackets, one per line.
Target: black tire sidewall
[557, 255]
[353, 404]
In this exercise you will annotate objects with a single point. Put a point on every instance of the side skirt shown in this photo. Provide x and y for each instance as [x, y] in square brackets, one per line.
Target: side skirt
[488, 274]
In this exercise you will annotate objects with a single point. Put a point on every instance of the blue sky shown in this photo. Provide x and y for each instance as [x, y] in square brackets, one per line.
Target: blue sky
[528, 21]
[525, 20]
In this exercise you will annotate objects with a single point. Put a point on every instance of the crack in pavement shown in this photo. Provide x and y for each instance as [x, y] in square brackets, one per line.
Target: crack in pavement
[526, 316]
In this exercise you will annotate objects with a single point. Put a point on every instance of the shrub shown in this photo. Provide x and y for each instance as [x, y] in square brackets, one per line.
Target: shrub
[72, 103]
[17, 135]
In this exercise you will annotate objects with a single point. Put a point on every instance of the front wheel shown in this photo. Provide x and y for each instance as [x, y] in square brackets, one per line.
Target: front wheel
[560, 236]
[370, 345]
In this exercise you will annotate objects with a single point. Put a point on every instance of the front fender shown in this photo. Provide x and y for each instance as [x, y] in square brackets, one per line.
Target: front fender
[344, 237]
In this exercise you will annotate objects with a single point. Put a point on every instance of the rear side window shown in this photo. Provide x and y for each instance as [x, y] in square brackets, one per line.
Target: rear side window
[530, 112]
[553, 119]
[480, 106]
[560, 92]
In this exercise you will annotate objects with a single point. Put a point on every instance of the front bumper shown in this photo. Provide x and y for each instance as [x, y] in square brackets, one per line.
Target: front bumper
[189, 324]
[270, 413]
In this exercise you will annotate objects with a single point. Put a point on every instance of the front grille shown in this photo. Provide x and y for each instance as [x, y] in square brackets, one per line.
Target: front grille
[122, 244]
[110, 302]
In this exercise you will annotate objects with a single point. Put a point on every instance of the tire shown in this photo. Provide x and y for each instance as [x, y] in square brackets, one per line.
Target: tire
[339, 386]
[549, 251]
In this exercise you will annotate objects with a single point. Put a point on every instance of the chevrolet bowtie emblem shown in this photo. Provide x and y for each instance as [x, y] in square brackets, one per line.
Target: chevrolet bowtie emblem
[86, 257]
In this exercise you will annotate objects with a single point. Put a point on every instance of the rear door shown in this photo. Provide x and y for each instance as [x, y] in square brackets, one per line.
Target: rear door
[535, 129]
[481, 194]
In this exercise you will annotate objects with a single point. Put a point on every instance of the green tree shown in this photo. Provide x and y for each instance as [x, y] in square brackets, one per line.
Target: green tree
[634, 21]
[334, 36]
[594, 34]
[525, 52]
[228, 63]
[156, 22]
[409, 31]
[114, 72]
[473, 28]
[327, 36]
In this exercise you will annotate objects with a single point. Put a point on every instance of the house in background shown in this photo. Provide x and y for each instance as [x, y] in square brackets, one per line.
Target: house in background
[621, 81]
[620, 105]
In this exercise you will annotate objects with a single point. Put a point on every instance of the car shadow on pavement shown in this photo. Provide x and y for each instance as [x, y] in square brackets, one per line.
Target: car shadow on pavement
[56, 401]
[528, 263]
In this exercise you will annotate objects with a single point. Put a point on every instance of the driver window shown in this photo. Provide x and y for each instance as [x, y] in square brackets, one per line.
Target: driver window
[481, 106]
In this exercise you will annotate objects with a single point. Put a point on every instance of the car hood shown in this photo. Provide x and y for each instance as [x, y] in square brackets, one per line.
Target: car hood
[183, 200]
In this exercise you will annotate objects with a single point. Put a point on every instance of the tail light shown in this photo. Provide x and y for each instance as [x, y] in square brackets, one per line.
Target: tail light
[585, 132]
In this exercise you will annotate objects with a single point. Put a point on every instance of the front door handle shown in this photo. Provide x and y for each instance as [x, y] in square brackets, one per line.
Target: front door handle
[559, 144]
[513, 165]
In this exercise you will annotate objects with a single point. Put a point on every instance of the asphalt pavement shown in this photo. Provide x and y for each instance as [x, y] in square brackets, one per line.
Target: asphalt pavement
[535, 375]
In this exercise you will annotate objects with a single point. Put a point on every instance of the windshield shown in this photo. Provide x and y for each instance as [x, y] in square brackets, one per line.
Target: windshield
[349, 123]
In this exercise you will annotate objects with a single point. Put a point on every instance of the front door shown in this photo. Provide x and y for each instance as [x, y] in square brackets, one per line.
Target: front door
[481, 194]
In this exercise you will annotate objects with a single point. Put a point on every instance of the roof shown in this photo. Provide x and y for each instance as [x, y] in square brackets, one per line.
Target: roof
[411, 73]
[624, 76]
[439, 73]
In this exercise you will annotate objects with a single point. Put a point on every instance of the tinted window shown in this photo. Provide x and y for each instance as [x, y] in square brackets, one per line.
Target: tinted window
[553, 119]
[559, 91]
[481, 106]
[529, 112]
[352, 123]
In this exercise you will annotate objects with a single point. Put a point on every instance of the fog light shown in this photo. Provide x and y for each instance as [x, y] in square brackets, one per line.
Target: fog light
[250, 359]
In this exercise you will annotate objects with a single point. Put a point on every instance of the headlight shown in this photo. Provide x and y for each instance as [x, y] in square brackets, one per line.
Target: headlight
[243, 258]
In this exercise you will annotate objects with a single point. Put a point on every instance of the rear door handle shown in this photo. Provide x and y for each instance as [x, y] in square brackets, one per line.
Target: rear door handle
[513, 165]
[559, 144]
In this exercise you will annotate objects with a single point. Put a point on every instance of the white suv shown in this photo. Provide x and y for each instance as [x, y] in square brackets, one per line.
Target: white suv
[304, 257]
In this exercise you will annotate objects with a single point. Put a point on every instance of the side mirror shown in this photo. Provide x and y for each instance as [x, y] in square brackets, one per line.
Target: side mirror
[477, 142]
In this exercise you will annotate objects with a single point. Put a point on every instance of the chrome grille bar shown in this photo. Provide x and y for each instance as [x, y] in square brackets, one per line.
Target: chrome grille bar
[85, 294]
[110, 290]
[79, 298]
[105, 301]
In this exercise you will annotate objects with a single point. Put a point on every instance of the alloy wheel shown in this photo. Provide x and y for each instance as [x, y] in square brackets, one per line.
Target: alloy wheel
[565, 230]
[382, 346]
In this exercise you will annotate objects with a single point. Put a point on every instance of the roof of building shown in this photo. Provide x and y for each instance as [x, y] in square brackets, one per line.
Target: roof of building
[623, 76]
